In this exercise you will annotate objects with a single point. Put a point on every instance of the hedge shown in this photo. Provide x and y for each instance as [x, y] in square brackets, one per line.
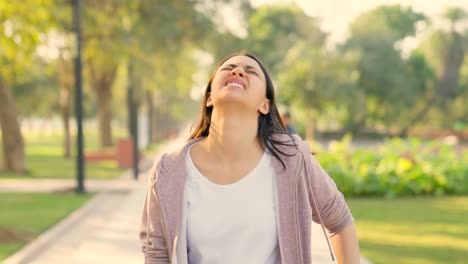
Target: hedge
[397, 167]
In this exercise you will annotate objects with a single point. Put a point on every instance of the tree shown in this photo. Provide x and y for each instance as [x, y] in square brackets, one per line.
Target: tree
[66, 80]
[273, 30]
[164, 92]
[19, 36]
[383, 72]
[273, 34]
[445, 52]
[162, 56]
[460, 111]
[64, 67]
[316, 80]
[423, 80]
[452, 57]
[223, 40]
[56, 66]
[133, 32]
[13, 143]
[104, 41]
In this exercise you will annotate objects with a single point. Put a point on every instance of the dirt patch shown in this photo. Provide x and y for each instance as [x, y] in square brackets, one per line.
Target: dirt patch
[66, 190]
[9, 236]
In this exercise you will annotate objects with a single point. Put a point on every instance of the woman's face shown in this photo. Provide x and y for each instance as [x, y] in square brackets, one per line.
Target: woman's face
[239, 81]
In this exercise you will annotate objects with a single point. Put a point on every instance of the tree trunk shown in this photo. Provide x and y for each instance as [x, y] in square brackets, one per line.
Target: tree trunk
[164, 123]
[310, 127]
[430, 103]
[65, 72]
[161, 121]
[13, 143]
[154, 125]
[66, 131]
[451, 67]
[102, 86]
[448, 80]
[65, 107]
[150, 107]
[104, 116]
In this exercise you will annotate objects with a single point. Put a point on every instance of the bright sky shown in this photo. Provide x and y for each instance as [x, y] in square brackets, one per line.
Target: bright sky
[337, 14]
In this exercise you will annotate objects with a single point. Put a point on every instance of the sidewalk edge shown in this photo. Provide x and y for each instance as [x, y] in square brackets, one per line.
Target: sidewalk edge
[34, 247]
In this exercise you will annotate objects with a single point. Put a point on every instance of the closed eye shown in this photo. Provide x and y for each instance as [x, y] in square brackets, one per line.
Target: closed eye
[253, 72]
[248, 69]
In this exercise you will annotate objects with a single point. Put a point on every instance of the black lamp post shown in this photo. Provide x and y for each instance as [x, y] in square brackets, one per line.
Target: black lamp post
[133, 118]
[78, 99]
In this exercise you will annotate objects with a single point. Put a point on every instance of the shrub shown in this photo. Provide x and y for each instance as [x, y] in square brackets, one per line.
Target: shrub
[397, 167]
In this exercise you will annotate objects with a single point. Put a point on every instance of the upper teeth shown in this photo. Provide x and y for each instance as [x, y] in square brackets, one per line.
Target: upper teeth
[236, 84]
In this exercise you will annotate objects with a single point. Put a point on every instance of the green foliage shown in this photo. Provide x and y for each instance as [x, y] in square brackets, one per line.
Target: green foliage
[319, 81]
[437, 47]
[37, 82]
[20, 33]
[397, 168]
[383, 72]
[445, 52]
[386, 23]
[455, 14]
[368, 82]
[273, 30]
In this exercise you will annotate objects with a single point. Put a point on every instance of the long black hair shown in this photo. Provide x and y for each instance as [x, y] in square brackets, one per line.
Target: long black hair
[268, 124]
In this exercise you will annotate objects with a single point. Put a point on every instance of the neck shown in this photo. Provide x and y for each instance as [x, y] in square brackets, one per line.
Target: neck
[233, 135]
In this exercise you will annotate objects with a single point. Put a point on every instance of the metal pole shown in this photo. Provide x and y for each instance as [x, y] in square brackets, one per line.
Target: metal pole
[135, 140]
[133, 118]
[130, 98]
[78, 99]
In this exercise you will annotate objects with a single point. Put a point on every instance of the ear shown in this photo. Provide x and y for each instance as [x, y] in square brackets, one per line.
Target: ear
[209, 102]
[264, 107]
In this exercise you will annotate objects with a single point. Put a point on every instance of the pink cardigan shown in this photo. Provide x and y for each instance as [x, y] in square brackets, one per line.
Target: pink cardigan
[305, 192]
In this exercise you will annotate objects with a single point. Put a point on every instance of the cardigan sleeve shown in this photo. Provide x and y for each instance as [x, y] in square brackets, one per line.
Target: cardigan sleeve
[151, 231]
[330, 202]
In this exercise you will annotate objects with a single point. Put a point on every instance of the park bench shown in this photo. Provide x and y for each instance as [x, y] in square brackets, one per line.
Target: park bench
[122, 154]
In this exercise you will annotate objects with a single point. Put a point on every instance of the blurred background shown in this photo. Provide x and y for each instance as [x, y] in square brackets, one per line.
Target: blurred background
[378, 88]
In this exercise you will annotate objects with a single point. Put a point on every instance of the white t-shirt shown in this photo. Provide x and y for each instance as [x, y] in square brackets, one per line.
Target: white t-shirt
[232, 223]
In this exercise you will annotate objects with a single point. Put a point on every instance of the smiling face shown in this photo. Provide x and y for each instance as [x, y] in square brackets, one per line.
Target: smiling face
[239, 80]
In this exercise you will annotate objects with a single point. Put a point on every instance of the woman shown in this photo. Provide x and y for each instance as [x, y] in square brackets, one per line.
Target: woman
[242, 190]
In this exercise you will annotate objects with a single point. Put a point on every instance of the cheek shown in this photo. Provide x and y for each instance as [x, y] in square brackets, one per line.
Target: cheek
[261, 88]
[219, 77]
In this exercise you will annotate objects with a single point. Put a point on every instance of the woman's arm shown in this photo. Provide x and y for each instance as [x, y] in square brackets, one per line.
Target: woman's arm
[333, 212]
[151, 232]
[346, 246]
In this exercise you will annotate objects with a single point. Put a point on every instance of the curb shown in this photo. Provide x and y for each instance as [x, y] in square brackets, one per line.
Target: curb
[34, 247]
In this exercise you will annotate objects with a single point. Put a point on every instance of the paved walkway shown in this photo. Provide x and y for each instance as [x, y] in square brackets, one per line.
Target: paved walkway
[124, 184]
[105, 230]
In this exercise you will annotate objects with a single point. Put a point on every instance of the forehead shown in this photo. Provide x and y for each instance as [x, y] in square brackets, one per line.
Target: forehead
[243, 61]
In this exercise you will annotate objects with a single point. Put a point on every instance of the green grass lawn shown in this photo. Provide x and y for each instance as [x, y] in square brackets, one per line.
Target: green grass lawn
[25, 215]
[412, 230]
[44, 159]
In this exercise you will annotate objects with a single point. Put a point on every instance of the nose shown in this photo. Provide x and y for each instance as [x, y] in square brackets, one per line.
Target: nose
[237, 71]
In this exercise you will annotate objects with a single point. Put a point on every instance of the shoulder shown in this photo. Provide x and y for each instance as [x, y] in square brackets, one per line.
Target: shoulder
[171, 160]
[291, 144]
